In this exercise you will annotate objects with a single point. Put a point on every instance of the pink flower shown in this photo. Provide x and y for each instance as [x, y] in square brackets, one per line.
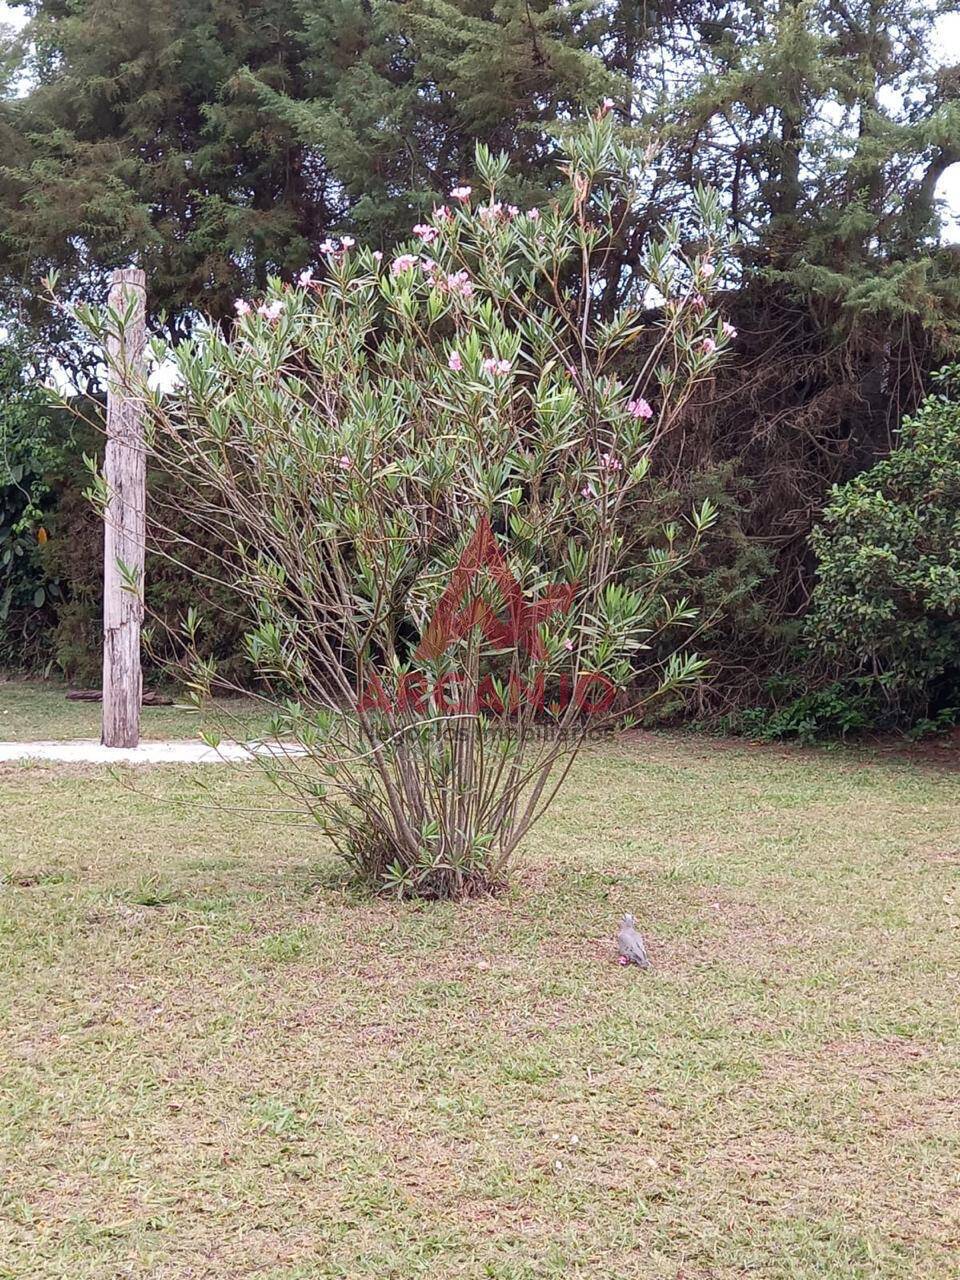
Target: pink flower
[571, 370]
[348, 242]
[489, 365]
[698, 301]
[377, 255]
[587, 491]
[460, 193]
[441, 213]
[503, 366]
[622, 960]
[708, 346]
[639, 408]
[488, 212]
[459, 282]
[305, 278]
[345, 462]
[533, 215]
[610, 463]
[568, 645]
[328, 246]
[271, 310]
[242, 307]
[425, 232]
[429, 266]
[402, 263]
[707, 269]
[493, 365]
[608, 104]
[728, 330]
[512, 210]
[455, 363]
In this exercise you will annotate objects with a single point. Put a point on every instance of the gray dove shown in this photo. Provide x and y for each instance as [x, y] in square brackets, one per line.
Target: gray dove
[630, 944]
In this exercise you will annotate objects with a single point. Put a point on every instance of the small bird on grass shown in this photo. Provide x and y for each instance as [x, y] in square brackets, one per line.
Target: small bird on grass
[630, 944]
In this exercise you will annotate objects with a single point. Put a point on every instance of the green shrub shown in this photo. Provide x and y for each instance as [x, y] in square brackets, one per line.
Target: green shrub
[835, 711]
[886, 607]
[51, 546]
[34, 441]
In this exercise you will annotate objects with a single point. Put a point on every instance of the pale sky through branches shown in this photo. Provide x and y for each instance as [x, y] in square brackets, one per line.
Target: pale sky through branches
[946, 50]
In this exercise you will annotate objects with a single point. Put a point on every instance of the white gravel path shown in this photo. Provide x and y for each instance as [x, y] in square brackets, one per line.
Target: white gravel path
[89, 751]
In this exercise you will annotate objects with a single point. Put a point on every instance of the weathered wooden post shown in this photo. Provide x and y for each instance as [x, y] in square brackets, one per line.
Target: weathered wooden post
[124, 530]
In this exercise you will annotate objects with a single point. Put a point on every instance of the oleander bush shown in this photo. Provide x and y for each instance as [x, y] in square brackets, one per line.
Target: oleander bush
[429, 478]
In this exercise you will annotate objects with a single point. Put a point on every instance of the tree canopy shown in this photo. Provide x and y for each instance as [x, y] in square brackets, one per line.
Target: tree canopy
[217, 141]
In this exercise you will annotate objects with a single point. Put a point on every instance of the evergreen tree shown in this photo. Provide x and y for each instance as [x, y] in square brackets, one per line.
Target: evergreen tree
[827, 127]
[399, 93]
[218, 142]
[134, 144]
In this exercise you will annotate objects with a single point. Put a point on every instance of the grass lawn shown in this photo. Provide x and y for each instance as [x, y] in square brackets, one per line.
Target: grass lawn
[39, 711]
[217, 1062]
